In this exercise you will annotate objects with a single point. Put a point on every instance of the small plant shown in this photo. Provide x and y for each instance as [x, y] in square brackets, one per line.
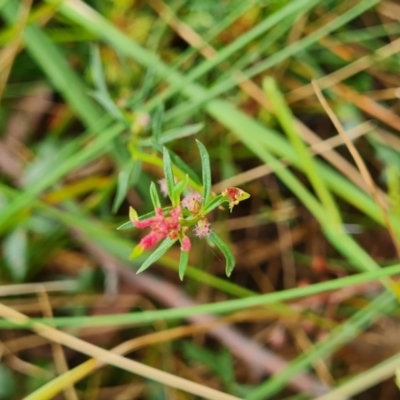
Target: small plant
[172, 223]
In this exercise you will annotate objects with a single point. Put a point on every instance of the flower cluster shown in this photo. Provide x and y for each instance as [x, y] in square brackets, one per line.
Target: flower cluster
[161, 227]
[171, 224]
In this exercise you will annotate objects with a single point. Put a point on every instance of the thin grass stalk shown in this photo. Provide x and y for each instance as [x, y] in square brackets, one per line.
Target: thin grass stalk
[222, 307]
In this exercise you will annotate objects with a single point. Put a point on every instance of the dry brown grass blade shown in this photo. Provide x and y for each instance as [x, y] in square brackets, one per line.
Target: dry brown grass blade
[360, 164]
[320, 147]
[183, 30]
[25, 288]
[111, 358]
[89, 366]
[369, 106]
[60, 360]
[305, 345]
[390, 10]
[349, 70]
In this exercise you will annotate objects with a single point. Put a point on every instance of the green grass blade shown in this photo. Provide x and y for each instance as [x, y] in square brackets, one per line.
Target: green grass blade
[60, 74]
[286, 120]
[238, 44]
[61, 169]
[222, 307]
[274, 59]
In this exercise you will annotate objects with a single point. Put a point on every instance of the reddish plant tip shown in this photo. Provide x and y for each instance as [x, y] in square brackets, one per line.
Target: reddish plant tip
[185, 244]
[235, 195]
[161, 226]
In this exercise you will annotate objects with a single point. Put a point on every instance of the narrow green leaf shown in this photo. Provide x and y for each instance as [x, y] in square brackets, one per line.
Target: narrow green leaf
[158, 253]
[230, 259]
[97, 69]
[184, 167]
[169, 175]
[178, 189]
[106, 101]
[214, 203]
[183, 262]
[145, 88]
[174, 134]
[125, 226]
[124, 181]
[286, 120]
[101, 94]
[206, 170]
[154, 196]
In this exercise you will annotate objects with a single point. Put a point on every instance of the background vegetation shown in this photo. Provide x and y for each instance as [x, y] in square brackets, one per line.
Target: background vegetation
[296, 103]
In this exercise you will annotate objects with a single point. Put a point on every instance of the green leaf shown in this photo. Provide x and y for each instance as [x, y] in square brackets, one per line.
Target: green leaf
[145, 88]
[101, 94]
[154, 196]
[183, 262]
[124, 181]
[182, 165]
[230, 259]
[97, 69]
[169, 175]
[178, 189]
[206, 170]
[174, 134]
[105, 100]
[124, 226]
[214, 203]
[158, 253]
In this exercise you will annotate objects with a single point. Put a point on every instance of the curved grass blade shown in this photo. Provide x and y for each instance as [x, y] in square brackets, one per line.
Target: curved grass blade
[101, 94]
[174, 134]
[230, 258]
[182, 165]
[158, 253]
[206, 170]
[125, 178]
